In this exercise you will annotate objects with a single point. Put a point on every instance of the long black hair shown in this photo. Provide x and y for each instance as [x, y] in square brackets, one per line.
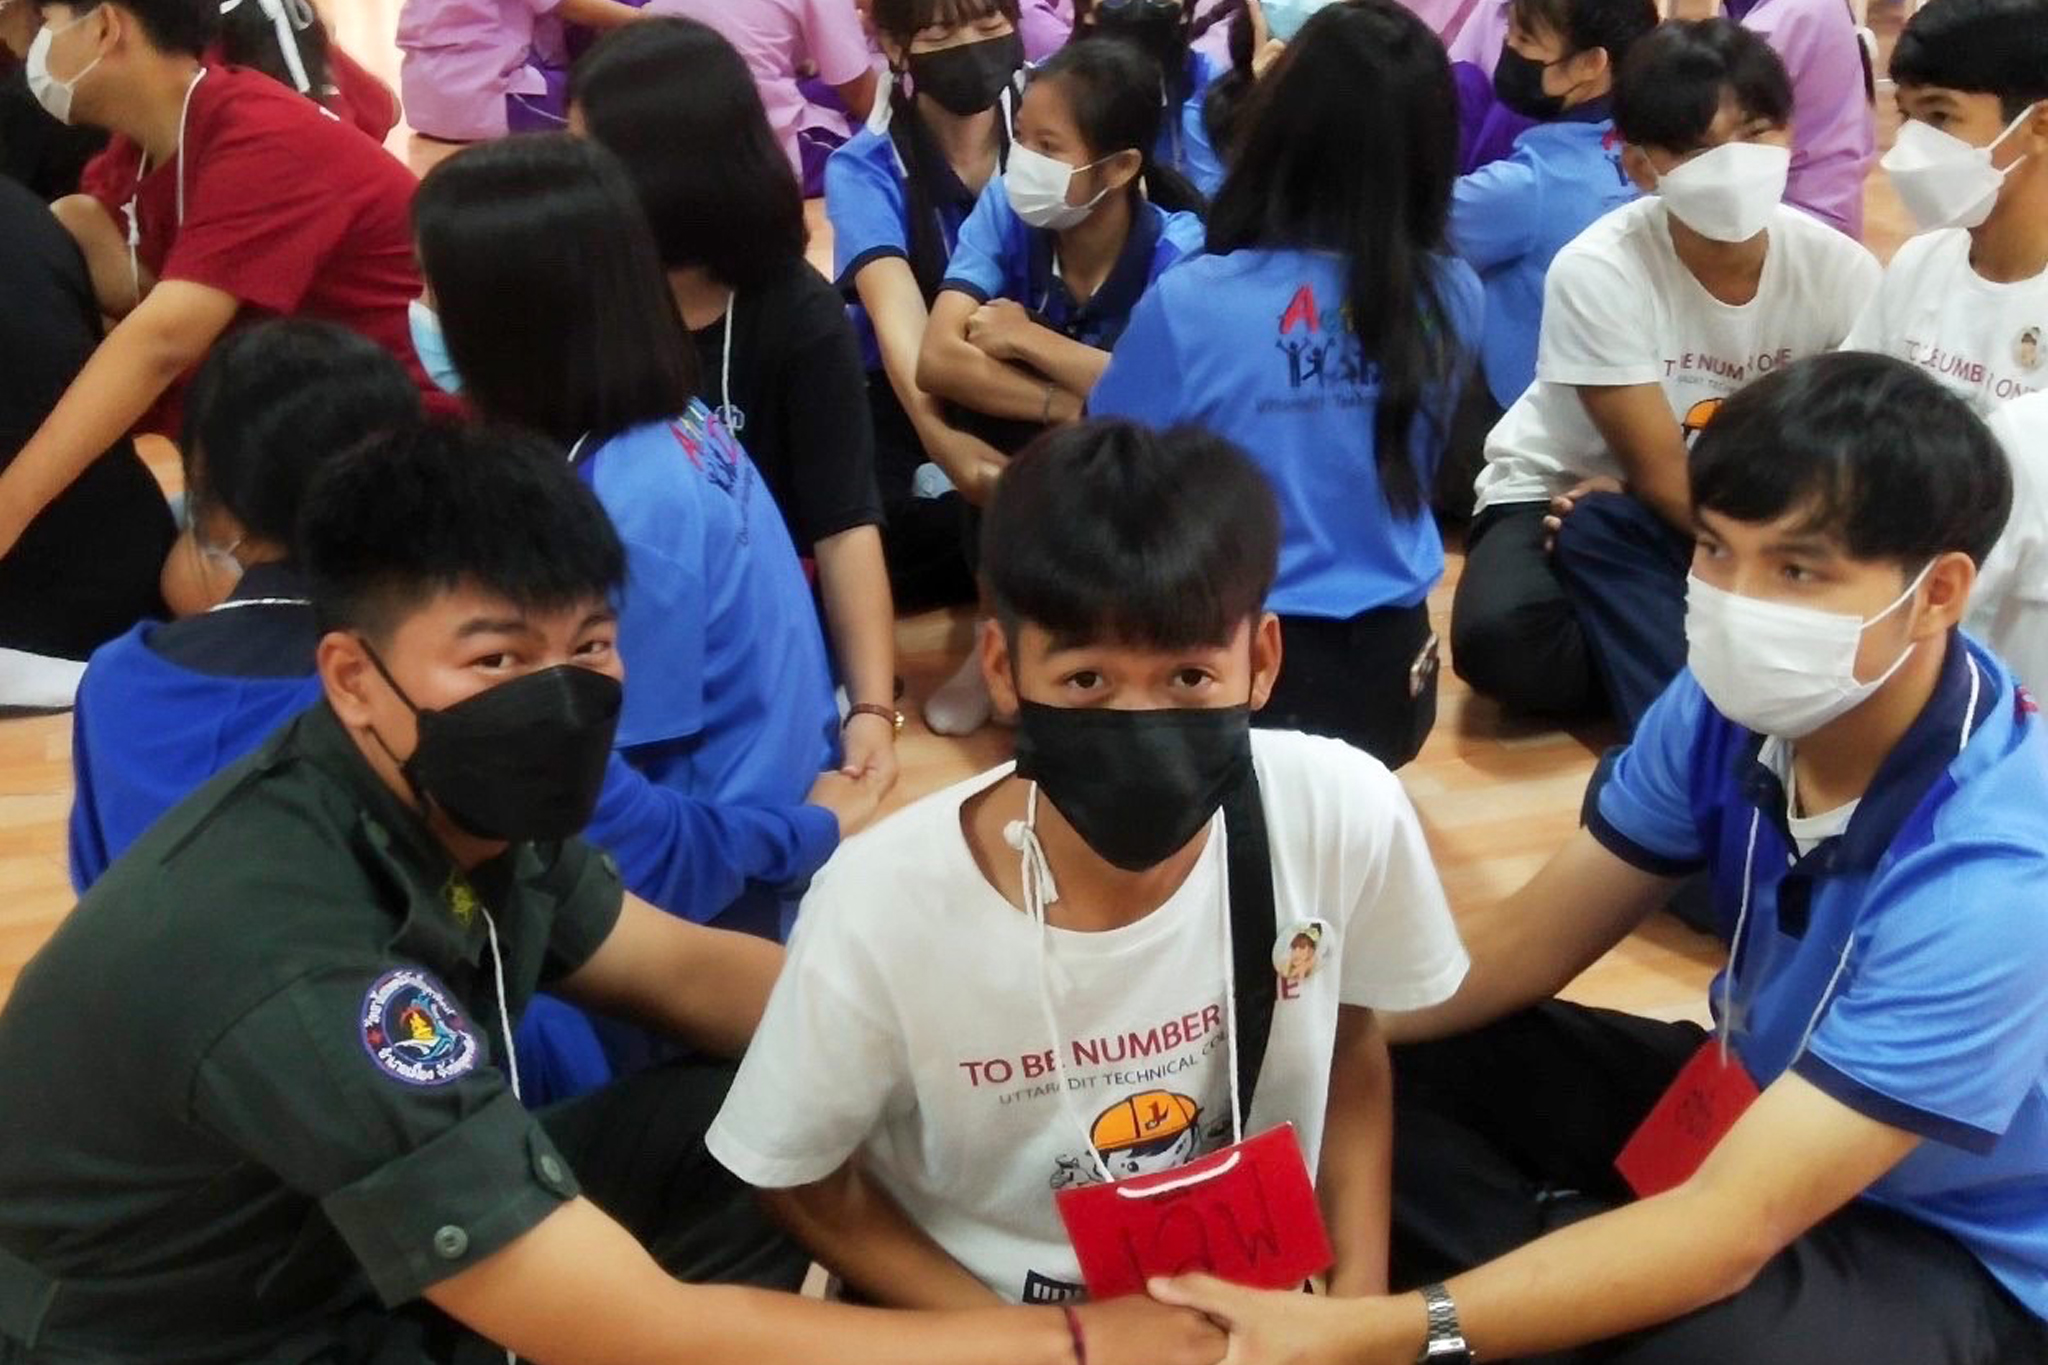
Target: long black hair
[1110, 88]
[678, 107]
[557, 313]
[924, 164]
[1352, 146]
[248, 37]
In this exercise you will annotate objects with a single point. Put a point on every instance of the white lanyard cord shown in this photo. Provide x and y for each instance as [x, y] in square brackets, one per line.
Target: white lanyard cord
[1849, 942]
[1039, 892]
[504, 1030]
[135, 199]
[725, 408]
[236, 604]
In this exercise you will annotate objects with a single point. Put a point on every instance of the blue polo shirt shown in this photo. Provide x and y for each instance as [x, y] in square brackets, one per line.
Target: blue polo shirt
[1253, 345]
[1184, 133]
[1939, 890]
[999, 256]
[728, 693]
[1511, 218]
[867, 199]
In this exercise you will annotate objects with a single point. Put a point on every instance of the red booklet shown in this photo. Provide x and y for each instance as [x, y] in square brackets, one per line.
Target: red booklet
[1246, 1214]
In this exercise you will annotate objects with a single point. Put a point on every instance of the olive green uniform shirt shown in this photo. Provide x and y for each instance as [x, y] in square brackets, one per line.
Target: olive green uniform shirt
[253, 1084]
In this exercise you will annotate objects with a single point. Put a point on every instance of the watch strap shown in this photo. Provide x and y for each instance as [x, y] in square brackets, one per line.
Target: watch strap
[1446, 1343]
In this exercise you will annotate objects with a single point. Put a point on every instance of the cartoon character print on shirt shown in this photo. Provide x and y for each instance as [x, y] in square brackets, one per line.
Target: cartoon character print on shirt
[1319, 349]
[2027, 351]
[1698, 417]
[1143, 1134]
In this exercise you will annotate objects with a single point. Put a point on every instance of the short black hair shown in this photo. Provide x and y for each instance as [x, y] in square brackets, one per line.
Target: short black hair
[1992, 47]
[180, 26]
[902, 20]
[1668, 92]
[273, 404]
[551, 295]
[1112, 531]
[677, 105]
[443, 505]
[1885, 459]
[1616, 25]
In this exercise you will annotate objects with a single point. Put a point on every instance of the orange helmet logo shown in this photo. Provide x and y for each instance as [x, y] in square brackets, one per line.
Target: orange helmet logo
[1151, 1116]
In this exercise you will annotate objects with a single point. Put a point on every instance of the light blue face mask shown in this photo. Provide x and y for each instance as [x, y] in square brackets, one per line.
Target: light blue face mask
[1284, 18]
[432, 347]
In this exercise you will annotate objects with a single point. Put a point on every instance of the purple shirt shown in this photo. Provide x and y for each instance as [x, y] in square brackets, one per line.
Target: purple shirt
[1044, 25]
[463, 57]
[1834, 130]
[1479, 40]
[775, 37]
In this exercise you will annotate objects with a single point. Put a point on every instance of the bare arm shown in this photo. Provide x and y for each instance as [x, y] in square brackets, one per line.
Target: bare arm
[1073, 365]
[578, 1290]
[1355, 1184]
[1526, 948]
[863, 1236]
[861, 617]
[1796, 1157]
[598, 14]
[706, 986]
[858, 95]
[888, 291]
[951, 366]
[1636, 423]
[118, 282]
[167, 334]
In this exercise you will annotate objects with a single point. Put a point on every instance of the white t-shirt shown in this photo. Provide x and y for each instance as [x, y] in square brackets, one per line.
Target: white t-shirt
[1988, 342]
[1808, 832]
[907, 1022]
[1619, 308]
[2009, 609]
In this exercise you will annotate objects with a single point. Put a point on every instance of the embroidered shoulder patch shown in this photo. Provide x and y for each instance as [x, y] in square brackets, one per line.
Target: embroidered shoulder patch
[412, 1030]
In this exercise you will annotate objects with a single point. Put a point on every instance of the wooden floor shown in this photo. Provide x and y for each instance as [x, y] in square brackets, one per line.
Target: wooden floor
[1496, 796]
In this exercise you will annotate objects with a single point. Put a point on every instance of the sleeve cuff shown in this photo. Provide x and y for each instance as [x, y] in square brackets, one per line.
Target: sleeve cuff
[817, 839]
[1847, 1090]
[1633, 853]
[967, 287]
[767, 1172]
[1603, 375]
[441, 1208]
[1417, 993]
[867, 257]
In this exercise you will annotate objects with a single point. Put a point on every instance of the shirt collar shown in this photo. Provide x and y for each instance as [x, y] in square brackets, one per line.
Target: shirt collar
[1909, 772]
[1592, 111]
[434, 902]
[1127, 279]
[276, 580]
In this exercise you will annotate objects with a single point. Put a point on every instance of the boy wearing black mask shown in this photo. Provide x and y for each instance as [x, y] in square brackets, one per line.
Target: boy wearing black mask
[1509, 219]
[1040, 978]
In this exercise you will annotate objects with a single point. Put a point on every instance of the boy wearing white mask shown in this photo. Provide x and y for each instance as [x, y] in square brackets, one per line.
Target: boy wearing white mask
[1967, 301]
[1651, 319]
[1856, 1169]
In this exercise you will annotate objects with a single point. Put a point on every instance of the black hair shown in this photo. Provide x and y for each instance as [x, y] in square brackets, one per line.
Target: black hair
[248, 37]
[924, 164]
[1111, 89]
[677, 105]
[273, 404]
[1615, 25]
[443, 505]
[1310, 175]
[1993, 47]
[1669, 91]
[551, 294]
[184, 27]
[1224, 103]
[1885, 459]
[1110, 530]
[1176, 84]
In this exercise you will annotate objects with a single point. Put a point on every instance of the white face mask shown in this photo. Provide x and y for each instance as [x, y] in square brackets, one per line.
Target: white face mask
[1944, 181]
[1037, 188]
[1778, 669]
[54, 95]
[1728, 194]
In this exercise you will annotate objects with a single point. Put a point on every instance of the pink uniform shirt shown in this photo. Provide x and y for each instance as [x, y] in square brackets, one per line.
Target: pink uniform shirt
[463, 57]
[1834, 130]
[775, 37]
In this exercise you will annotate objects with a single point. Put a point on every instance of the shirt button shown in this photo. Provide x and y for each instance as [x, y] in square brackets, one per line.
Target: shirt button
[551, 1170]
[450, 1242]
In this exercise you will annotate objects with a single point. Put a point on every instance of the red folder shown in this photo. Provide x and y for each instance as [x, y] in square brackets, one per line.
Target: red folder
[1246, 1214]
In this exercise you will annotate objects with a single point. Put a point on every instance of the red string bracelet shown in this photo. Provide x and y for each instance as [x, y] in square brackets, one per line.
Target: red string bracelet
[1074, 1331]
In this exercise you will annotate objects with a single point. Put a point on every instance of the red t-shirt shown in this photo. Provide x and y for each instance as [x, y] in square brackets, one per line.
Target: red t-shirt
[287, 208]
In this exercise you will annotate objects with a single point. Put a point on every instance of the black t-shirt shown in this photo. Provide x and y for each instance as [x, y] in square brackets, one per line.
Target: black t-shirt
[87, 568]
[799, 396]
[35, 149]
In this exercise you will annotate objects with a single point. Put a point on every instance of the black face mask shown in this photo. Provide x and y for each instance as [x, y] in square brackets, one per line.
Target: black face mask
[969, 78]
[1157, 26]
[1135, 785]
[522, 761]
[1518, 84]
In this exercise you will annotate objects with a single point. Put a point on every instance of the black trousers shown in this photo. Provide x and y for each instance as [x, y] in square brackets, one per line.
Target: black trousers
[1465, 451]
[87, 568]
[1511, 1132]
[920, 536]
[1369, 681]
[1515, 636]
[637, 1147]
[1623, 569]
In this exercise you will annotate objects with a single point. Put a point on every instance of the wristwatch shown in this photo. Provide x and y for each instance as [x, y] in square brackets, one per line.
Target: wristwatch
[1446, 1344]
[868, 708]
